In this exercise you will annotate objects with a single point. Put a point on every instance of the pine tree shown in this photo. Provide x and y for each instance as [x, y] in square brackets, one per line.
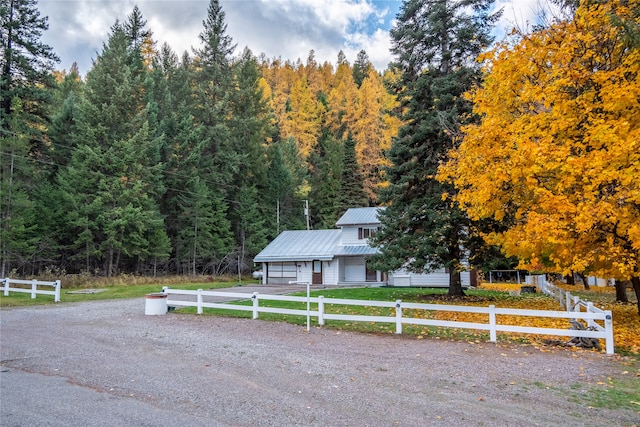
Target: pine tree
[26, 64]
[435, 42]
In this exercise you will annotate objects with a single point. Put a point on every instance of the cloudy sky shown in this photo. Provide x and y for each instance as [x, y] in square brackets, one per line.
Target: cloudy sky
[288, 29]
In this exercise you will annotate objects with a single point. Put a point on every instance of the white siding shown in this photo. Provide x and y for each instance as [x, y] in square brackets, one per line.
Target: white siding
[349, 237]
[437, 279]
[330, 272]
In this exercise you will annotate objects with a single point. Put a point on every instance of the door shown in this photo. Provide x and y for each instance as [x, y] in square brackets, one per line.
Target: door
[317, 273]
[372, 275]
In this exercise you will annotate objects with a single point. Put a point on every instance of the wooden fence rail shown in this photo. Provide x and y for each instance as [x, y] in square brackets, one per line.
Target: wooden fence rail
[33, 289]
[493, 314]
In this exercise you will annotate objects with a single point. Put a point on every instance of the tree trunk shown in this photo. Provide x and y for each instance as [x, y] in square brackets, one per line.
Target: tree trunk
[585, 282]
[635, 281]
[621, 291]
[570, 280]
[455, 284]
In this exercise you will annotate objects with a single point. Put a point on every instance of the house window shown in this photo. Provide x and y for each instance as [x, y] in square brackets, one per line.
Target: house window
[365, 233]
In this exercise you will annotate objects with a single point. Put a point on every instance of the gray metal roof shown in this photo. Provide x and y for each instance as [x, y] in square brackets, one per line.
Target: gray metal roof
[301, 245]
[355, 250]
[360, 216]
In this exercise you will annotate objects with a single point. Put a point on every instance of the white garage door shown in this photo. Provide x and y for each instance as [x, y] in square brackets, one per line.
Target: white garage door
[354, 269]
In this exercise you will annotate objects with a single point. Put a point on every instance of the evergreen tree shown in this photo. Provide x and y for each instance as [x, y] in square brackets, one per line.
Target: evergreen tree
[26, 64]
[352, 194]
[250, 129]
[204, 233]
[213, 96]
[436, 43]
[182, 149]
[279, 196]
[113, 179]
[325, 166]
[361, 67]
[212, 106]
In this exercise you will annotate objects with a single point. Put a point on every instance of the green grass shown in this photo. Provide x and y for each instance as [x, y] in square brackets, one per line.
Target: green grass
[619, 393]
[419, 295]
[109, 291]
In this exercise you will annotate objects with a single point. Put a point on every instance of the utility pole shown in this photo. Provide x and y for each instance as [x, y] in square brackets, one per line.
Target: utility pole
[306, 212]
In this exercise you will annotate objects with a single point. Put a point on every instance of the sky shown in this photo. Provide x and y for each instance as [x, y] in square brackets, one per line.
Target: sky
[286, 29]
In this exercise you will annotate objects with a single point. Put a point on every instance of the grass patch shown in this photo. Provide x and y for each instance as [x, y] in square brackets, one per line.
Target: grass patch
[107, 291]
[417, 295]
[619, 393]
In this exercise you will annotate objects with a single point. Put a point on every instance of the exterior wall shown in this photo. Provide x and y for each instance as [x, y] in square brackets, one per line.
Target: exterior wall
[349, 237]
[298, 271]
[437, 279]
[330, 272]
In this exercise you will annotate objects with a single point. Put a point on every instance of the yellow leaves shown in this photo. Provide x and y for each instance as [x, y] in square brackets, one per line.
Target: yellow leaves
[557, 152]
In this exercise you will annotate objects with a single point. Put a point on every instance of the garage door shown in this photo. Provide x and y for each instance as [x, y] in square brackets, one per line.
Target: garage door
[354, 269]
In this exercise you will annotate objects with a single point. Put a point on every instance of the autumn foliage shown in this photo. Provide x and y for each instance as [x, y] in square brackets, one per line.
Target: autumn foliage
[307, 98]
[556, 156]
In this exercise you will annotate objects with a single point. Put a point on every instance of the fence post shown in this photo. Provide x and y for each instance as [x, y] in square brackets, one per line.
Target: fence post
[492, 324]
[57, 294]
[256, 303]
[6, 286]
[590, 322]
[199, 301]
[568, 301]
[608, 325]
[34, 284]
[321, 310]
[398, 316]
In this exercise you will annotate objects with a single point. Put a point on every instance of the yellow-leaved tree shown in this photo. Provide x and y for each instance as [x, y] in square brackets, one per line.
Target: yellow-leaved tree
[556, 156]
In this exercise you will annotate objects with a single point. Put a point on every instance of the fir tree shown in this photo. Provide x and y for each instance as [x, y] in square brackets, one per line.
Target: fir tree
[325, 165]
[26, 64]
[113, 179]
[436, 43]
[352, 194]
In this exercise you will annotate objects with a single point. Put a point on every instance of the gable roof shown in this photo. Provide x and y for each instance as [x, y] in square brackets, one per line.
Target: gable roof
[301, 245]
[360, 216]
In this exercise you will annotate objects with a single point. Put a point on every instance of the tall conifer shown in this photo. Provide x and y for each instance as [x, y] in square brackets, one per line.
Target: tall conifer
[435, 43]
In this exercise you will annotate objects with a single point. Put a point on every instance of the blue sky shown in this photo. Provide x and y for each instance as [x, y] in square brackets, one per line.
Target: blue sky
[288, 29]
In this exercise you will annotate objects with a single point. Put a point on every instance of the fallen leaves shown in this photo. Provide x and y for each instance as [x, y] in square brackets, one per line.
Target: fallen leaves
[625, 317]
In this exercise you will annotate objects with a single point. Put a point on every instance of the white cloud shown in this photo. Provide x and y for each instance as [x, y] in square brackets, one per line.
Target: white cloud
[288, 29]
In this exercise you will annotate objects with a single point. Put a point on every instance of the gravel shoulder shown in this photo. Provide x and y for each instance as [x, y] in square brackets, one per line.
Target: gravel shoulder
[106, 363]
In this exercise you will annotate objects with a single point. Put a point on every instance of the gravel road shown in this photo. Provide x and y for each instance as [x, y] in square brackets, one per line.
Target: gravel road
[105, 363]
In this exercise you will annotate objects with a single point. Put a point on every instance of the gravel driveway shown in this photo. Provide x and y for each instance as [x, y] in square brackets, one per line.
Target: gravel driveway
[105, 363]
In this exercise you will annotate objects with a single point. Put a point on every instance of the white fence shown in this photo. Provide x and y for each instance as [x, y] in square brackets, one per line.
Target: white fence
[574, 304]
[492, 325]
[34, 288]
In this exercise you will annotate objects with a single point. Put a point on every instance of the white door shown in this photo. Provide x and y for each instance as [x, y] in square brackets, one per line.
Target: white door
[354, 269]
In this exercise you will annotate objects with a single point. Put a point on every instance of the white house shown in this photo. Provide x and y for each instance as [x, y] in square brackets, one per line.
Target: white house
[337, 257]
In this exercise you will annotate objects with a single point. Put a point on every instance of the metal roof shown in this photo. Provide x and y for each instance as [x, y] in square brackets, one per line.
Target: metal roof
[355, 250]
[360, 216]
[301, 245]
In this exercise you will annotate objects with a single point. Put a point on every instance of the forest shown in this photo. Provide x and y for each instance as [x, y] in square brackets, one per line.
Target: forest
[517, 153]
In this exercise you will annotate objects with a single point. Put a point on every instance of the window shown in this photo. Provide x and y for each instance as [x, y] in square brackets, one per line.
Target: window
[365, 233]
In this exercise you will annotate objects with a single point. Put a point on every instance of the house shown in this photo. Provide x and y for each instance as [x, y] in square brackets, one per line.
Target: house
[337, 257]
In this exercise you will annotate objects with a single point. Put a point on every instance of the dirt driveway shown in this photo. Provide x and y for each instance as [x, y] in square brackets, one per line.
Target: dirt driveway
[106, 363]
